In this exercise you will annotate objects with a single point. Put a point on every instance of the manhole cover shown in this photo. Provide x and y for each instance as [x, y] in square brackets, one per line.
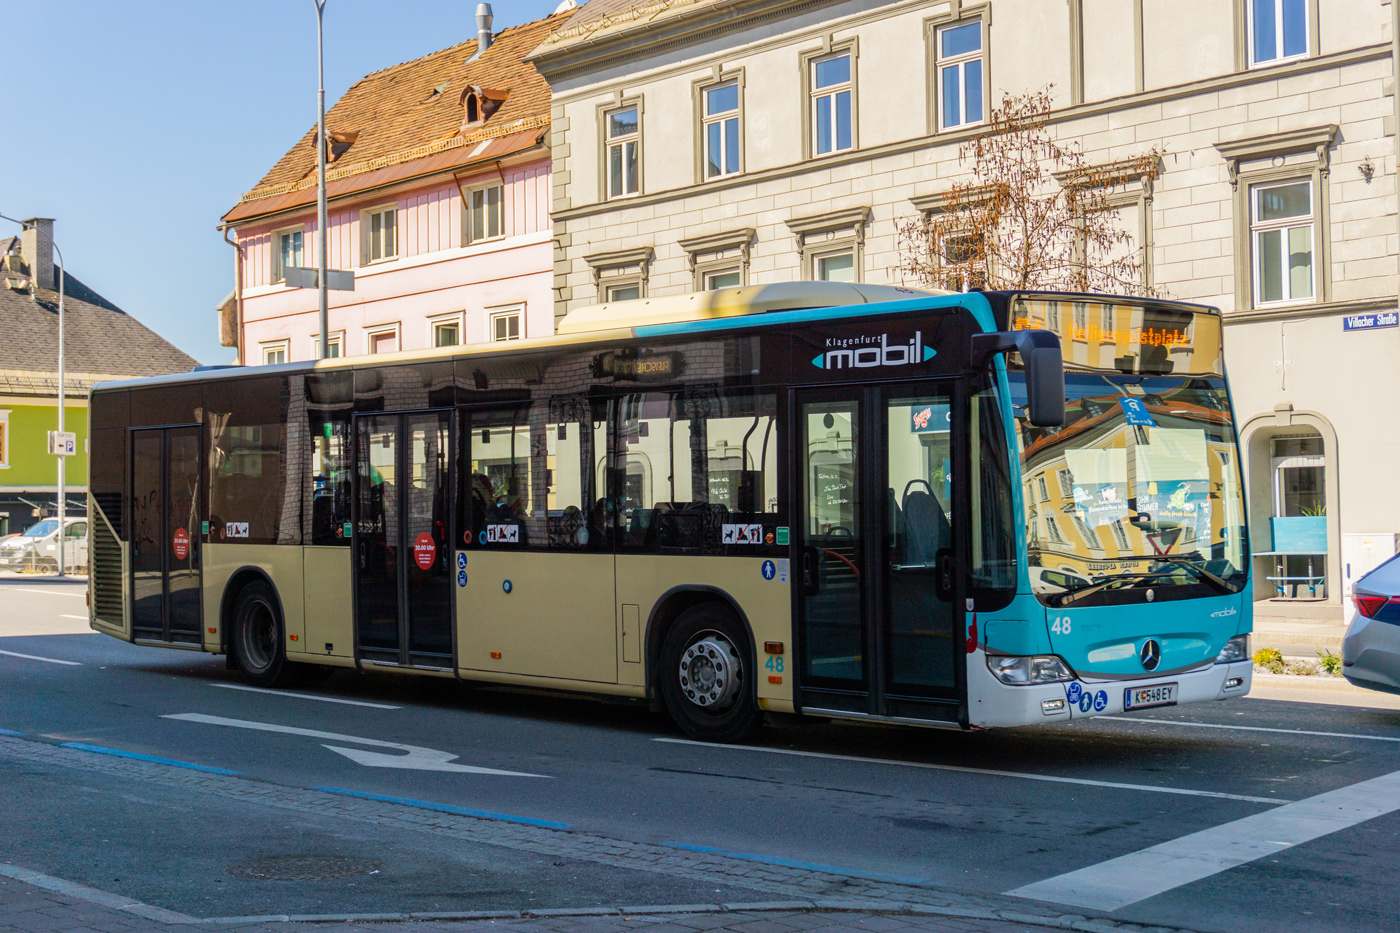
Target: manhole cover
[303, 868]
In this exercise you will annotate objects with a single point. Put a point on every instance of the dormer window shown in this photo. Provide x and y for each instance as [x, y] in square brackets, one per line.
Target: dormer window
[479, 103]
[338, 142]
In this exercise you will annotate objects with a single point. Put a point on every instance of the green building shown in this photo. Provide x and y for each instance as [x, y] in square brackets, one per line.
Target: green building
[101, 341]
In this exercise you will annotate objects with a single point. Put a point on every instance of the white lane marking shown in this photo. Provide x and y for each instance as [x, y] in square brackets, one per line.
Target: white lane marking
[1139, 875]
[1054, 779]
[416, 757]
[24, 589]
[305, 696]
[1216, 725]
[81, 618]
[35, 657]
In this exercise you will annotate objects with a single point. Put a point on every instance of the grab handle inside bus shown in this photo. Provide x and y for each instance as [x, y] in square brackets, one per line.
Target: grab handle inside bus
[1045, 369]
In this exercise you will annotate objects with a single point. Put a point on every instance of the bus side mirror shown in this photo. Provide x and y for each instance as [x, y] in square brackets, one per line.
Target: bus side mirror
[1045, 387]
[1045, 369]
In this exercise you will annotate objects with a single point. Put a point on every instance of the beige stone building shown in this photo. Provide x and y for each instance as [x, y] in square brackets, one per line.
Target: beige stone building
[699, 144]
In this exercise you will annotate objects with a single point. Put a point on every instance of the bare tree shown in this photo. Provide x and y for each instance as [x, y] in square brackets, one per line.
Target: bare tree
[1031, 213]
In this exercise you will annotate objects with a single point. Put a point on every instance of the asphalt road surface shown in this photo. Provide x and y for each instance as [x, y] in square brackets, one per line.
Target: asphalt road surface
[155, 774]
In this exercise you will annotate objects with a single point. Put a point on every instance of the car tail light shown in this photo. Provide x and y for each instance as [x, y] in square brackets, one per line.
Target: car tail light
[1368, 605]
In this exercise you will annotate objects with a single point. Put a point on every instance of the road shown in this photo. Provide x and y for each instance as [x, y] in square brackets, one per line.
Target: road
[156, 775]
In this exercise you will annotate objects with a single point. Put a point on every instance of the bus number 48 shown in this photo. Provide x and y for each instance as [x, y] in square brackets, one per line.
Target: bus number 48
[775, 664]
[1060, 626]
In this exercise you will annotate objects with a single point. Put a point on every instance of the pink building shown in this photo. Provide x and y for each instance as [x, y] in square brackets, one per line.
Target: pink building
[438, 191]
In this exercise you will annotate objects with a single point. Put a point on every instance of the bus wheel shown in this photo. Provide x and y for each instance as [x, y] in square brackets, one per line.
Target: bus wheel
[258, 638]
[707, 689]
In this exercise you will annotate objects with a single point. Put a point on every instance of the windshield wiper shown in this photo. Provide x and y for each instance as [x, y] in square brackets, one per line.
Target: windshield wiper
[1077, 595]
[1217, 582]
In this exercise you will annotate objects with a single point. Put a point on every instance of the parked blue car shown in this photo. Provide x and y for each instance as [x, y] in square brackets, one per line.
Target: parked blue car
[1371, 648]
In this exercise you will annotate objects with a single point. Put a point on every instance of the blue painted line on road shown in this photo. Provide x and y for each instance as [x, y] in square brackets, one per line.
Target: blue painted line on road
[797, 863]
[447, 808]
[118, 753]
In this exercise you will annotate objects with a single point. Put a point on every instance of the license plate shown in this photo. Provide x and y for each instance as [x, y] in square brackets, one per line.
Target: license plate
[1143, 697]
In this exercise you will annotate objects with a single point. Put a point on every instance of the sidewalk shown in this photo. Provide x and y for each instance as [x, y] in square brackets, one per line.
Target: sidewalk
[55, 906]
[1302, 638]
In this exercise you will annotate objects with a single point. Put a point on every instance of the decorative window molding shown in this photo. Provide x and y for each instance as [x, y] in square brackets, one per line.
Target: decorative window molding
[379, 234]
[1285, 19]
[384, 338]
[505, 323]
[621, 269]
[275, 352]
[447, 330]
[1257, 162]
[718, 254]
[824, 236]
[957, 14]
[620, 148]
[1133, 185]
[336, 342]
[719, 129]
[808, 61]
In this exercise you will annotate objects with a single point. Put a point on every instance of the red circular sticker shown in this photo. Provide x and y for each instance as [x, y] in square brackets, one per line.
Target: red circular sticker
[424, 551]
[181, 542]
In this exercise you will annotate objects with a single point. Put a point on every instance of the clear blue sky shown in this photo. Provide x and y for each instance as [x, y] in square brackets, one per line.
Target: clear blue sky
[137, 125]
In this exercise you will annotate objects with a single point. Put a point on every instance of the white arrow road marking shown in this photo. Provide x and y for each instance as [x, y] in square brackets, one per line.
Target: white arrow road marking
[415, 757]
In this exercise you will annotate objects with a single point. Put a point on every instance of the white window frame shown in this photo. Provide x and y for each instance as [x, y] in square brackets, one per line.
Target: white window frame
[456, 319]
[960, 62]
[631, 186]
[367, 239]
[279, 271]
[820, 256]
[707, 276]
[1279, 58]
[335, 339]
[1284, 226]
[5, 438]
[378, 330]
[825, 97]
[730, 122]
[470, 227]
[1043, 488]
[269, 347]
[504, 313]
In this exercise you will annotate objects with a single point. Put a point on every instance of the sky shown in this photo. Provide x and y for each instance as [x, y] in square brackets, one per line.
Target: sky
[136, 125]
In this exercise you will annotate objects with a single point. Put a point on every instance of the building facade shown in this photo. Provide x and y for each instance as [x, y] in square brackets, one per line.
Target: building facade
[100, 342]
[698, 144]
[438, 201]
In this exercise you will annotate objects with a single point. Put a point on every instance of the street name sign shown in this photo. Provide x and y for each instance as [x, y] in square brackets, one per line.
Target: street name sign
[342, 280]
[1371, 321]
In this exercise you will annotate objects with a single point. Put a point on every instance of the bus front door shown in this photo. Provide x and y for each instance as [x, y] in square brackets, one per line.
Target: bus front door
[403, 595]
[875, 571]
[165, 534]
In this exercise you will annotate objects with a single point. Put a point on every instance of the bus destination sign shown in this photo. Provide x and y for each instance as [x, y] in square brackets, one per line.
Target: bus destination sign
[638, 366]
[1371, 321]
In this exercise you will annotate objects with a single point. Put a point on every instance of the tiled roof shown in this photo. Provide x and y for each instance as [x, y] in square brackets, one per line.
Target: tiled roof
[413, 111]
[99, 339]
[599, 18]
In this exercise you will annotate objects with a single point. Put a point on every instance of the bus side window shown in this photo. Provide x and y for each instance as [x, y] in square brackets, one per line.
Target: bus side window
[328, 482]
[994, 539]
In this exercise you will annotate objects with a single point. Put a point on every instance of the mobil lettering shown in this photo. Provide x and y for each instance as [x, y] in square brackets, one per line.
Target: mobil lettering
[871, 351]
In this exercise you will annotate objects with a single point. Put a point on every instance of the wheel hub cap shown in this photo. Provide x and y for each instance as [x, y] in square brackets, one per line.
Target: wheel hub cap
[710, 673]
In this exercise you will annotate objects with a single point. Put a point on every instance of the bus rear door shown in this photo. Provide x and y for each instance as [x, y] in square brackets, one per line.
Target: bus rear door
[875, 588]
[165, 534]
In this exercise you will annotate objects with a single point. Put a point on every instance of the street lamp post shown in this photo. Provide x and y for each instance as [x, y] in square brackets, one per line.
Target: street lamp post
[321, 179]
[62, 275]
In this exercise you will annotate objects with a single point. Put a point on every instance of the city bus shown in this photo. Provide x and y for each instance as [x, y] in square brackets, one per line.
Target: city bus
[845, 501]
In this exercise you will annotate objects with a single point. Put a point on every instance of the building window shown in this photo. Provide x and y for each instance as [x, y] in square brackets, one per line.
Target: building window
[506, 325]
[834, 267]
[832, 95]
[274, 353]
[721, 130]
[384, 339]
[487, 220]
[960, 75]
[719, 260]
[1278, 30]
[1044, 489]
[624, 143]
[626, 291]
[334, 343]
[445, 330]
[380, 241]
[288, 253]
[1281, 228]
[724, 278]
[621, 275]
[4, 439]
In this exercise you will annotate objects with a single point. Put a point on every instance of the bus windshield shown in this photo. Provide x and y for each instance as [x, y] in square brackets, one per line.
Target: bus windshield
[1140, 490]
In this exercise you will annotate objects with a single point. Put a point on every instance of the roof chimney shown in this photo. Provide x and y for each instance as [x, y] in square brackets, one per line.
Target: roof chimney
[483, 29]
[36, 245]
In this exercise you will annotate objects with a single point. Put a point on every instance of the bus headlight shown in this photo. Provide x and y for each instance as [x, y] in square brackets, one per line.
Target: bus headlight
[1236, 649]
[1025, 671]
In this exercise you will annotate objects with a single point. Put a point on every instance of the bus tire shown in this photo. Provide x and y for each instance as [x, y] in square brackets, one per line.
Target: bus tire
[259, 638]
[706, 675]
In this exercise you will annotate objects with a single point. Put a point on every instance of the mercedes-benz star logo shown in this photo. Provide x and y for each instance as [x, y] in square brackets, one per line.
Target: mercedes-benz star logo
[1151, 654]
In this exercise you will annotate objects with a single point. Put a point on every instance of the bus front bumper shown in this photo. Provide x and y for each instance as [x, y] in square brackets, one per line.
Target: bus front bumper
[993, 704]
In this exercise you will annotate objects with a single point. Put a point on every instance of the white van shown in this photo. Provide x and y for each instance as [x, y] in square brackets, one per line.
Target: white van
[37, 548]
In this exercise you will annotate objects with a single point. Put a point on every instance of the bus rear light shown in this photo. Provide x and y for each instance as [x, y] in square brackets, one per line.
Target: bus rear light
[213, 631]
[773, 647]
[1367, 604]
[774, 679]
[1050, 707]
[495, 655]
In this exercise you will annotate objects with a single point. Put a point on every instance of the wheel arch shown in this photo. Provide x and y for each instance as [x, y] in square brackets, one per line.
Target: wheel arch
[237, 581]
[668, 607]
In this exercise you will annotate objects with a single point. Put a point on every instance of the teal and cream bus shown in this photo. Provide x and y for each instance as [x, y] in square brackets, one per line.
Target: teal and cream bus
[854, 502]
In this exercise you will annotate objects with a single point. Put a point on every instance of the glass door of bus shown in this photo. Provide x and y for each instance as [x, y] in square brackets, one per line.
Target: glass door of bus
[403, 590]
[876, 551]
[165, 533]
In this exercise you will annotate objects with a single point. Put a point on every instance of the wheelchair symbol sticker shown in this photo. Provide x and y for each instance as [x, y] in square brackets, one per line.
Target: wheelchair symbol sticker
[461, 562]
[1100, 701]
